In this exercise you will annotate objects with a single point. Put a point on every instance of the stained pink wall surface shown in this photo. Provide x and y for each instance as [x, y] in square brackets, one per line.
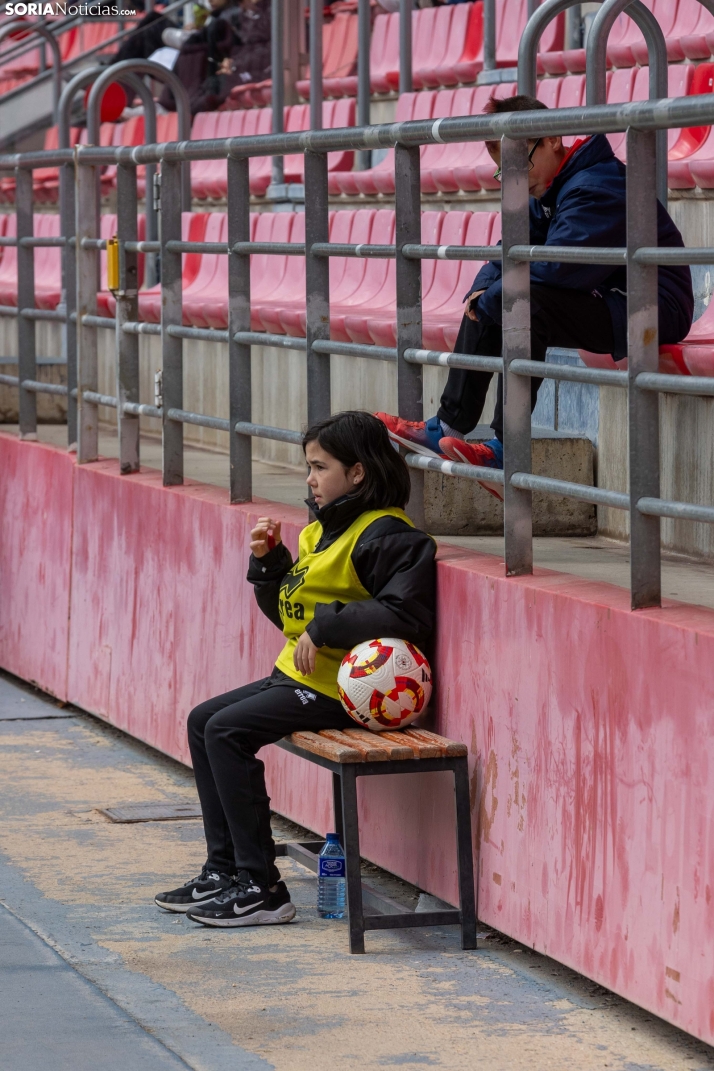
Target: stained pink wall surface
[590, 727]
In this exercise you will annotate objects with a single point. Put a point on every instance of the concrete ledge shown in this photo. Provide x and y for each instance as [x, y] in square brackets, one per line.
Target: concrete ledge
[463, 507]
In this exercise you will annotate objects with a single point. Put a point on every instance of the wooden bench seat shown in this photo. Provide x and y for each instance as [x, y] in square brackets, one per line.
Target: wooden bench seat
[353, 753]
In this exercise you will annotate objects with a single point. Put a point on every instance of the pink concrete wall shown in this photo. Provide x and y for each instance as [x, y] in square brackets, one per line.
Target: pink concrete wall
[590, 727]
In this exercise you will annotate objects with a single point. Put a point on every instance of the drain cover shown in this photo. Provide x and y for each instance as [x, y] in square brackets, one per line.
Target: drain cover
[151, 812]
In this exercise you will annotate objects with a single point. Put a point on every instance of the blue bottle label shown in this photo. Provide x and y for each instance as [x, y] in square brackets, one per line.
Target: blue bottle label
[331, 867]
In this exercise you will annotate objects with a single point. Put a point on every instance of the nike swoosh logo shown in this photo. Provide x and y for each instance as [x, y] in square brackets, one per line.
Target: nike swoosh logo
[243, 910]
[203, 895]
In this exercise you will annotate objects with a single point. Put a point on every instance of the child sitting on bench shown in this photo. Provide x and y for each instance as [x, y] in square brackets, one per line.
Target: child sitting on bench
[363, 571]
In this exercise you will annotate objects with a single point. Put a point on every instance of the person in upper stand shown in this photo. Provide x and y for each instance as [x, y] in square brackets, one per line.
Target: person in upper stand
[578, 198]
[363, 571]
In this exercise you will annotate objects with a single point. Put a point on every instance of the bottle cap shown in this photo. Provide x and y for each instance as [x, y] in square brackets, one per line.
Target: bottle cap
[334, 837]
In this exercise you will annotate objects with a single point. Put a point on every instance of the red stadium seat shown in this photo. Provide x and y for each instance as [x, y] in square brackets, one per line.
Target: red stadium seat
[691, 158]
[465, 44]
[441, 71]
[202, 289]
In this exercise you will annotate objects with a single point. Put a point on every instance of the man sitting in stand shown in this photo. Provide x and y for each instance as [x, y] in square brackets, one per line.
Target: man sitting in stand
[578, 198]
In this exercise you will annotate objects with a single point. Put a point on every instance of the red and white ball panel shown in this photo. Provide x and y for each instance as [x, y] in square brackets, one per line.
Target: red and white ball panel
[384, 683]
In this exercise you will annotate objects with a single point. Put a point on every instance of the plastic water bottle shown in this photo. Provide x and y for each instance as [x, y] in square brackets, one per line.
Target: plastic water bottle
[331, 879]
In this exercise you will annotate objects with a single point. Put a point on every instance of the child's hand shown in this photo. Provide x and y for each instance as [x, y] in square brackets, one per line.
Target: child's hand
[264, 536]
[304, 655]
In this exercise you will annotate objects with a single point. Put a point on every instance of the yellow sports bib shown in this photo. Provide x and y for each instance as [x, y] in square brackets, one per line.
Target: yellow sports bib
[322, 576]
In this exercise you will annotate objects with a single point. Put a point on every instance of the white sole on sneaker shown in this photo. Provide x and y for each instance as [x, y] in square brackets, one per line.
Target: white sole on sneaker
[286, 913]
[181, 909]
[414, 447]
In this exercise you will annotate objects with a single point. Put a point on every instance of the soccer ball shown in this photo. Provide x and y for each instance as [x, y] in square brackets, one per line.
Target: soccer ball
[384, 684]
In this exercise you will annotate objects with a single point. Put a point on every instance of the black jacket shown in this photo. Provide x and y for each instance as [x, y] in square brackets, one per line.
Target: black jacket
[394, 563]
[586, 204]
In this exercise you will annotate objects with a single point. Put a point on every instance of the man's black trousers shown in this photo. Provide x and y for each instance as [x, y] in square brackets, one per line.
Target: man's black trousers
[224, 735]
[567, 318]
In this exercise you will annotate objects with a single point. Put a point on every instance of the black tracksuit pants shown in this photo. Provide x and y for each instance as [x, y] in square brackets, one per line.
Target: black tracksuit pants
[568, 318]
[224, 735]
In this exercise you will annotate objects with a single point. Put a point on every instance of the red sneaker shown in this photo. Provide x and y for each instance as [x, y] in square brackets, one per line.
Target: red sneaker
[474, 454]
[420, 436]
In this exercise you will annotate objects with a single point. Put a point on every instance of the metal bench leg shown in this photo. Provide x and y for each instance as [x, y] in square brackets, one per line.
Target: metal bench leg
[351, 845]
[467, 899]
[337, 807]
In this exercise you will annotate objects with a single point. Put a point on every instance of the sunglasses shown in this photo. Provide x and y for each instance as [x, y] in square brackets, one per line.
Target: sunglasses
[531, 165]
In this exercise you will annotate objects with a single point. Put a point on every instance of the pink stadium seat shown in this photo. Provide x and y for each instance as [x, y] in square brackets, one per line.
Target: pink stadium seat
[347, 181]
[261, 166]
[48, 263]
[631, 47]
[386, 34]
[619, 91]
[292, 319]
[202, 129]
[695, 32]
[453, 278]
[691, 159]
[671, 361]
[166, 130]
[438, 172]
[292, 290]
[107, 229]
[8, 264]
[450, 329]
[466, 44]
[339, 55]
[679, 78]
[267, 272]
[193, 229]
[95, 33]
[201, 290]
[213, 175]
[382, 307]
[442, 72]
[372, 275]
[477, 170]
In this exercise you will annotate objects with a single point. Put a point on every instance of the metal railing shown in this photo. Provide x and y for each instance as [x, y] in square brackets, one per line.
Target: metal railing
[641, 121]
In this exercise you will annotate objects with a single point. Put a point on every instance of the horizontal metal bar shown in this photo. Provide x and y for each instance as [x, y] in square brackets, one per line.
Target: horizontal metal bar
[57, 315]
[678, 511]
[452, 252]
[175, 246]
[136, 409]
[603, 377]
[286, 249]
[8, 242]
[454, 360]
[43, 388]
[526, 481]
[94, 243]
[106, 322]
[264, 431]
[93, 398]
[31, 242]
[134, 327]
[8, 310]
[258, 338]
[142, 247]
[568, 254]
[346, 249]
[412, 919]
[690, 255]
[675, 384]
[42, 361]
[607, 118]
[183, 416]
[9, 381]
[200, 334]
[355, 349]
[454, 468]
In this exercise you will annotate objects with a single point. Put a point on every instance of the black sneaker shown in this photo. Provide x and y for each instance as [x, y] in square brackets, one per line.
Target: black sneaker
[208, 884]
[246, 904]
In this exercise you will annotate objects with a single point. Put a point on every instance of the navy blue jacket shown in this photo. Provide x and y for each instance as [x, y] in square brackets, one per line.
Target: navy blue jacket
[586, 205]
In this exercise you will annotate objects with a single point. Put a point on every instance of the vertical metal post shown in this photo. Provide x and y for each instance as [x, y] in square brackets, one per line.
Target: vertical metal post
[87, 226]
[464, 847]
[171, 313]
[350, 824]
[337, 807]
[574, 27]
[643, 356]
[408, 231]
[405, 46]
[277, 66]
[27, 361]
[364, 91]
[127, 308]
[69, 295]
[518, 523]
[295, 56]
[317, 286]
[489, 35]
[533, 5]
[316, 11]
[239, 372]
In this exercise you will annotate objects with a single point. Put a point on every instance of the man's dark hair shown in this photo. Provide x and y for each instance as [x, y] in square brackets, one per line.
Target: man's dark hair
[520, 103]
[357, 436]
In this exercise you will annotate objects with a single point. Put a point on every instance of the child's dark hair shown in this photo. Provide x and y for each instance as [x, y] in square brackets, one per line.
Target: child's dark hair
[357, 436]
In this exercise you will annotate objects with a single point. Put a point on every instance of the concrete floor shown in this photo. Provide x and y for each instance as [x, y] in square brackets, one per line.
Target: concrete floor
[91, 970]
[592, 557]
